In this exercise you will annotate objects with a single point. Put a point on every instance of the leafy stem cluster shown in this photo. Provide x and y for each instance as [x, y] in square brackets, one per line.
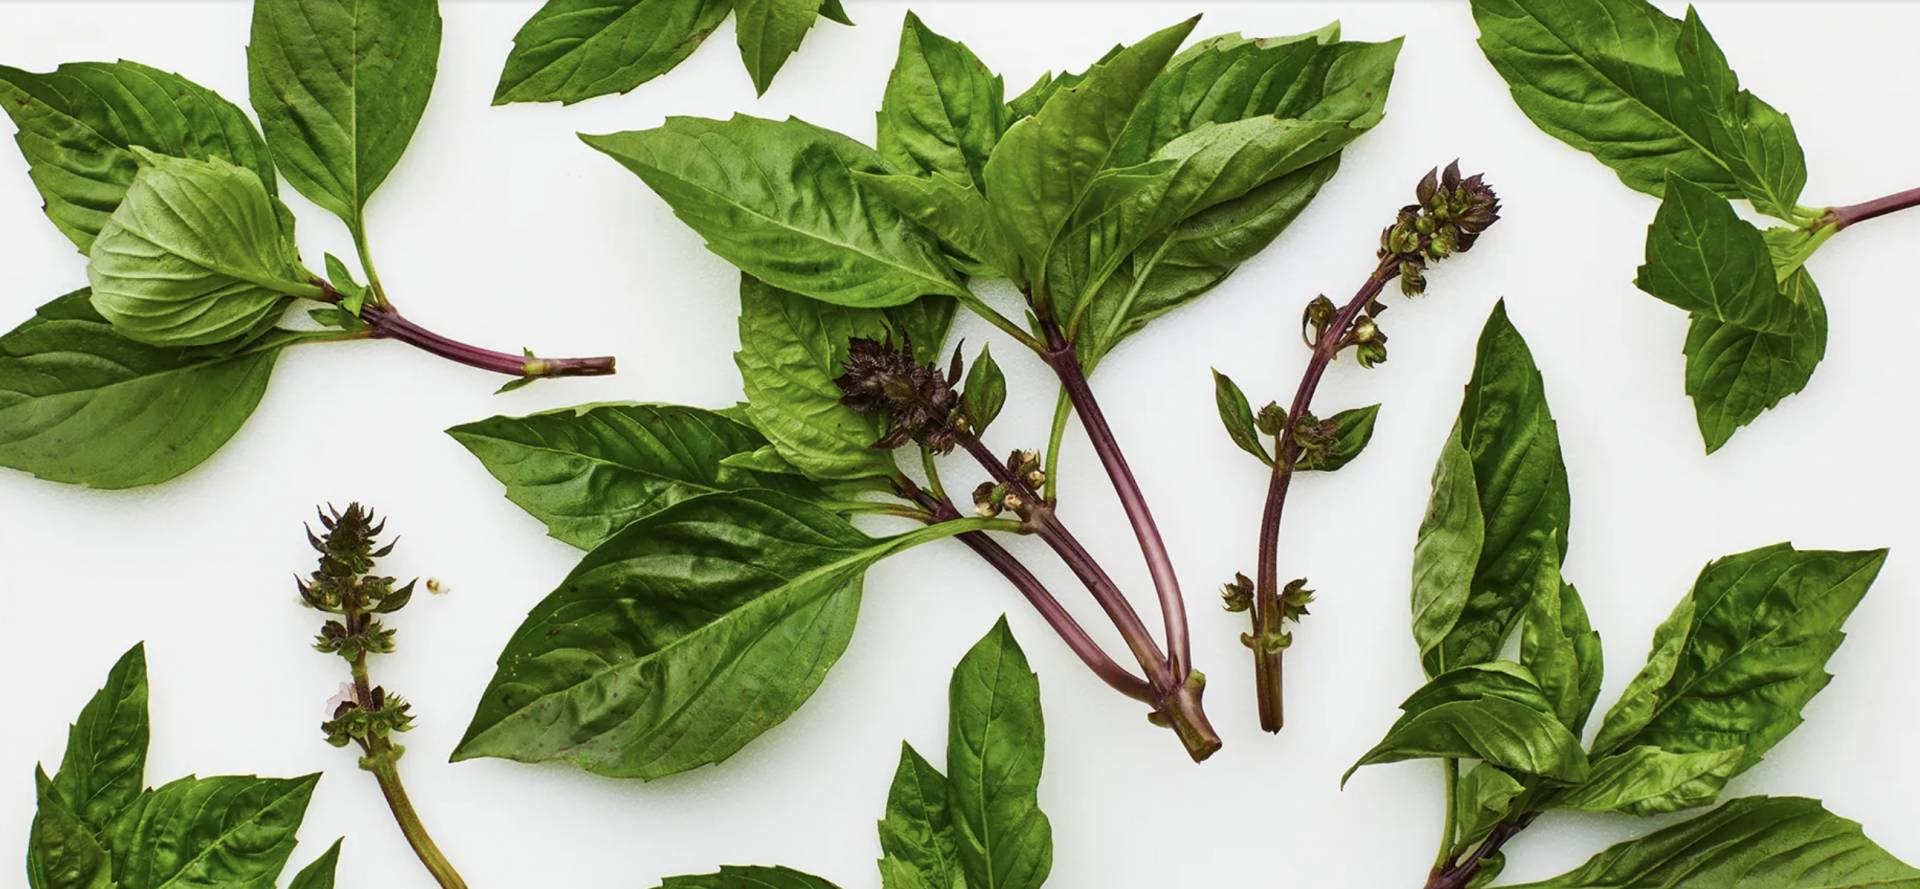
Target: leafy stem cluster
[1677, 125]
[172, 194]
[1726, 678]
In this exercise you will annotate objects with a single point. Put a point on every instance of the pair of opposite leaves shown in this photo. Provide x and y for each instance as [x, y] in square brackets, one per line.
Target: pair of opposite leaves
[1728, 674]
[172, 192]
[754, 492]
[1654, 99]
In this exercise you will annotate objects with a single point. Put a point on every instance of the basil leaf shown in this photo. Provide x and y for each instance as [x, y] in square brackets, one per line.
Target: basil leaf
[953, 212]
[319, 874]
[1703, 258]
[106, 760]
[778, 200]
[1742, 653]
[1650, 781]
[1756, 142]
[943, 110]
[63, 852]
[792, 349]
[1044, 167]
[79, 123]
[769, 31]
[577, 49]
[1735, 374]
[748, 878]
[340, 86]
[917, 836]
[1236, 413]
[81, 403]
[1485, 797]
[1754, 843]
[681, 638]
[1604, 76]
[226, 831]
[1348, 433]
[996, 739]
[587, 472]
[1180, 264]
[193, 256]
[1558, 644]
[986, 392]
[1494, 712]
[1500, 505]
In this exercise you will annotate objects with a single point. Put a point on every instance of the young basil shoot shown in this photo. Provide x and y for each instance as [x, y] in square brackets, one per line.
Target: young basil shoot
[1107, 198]
[578, 49]
[1449, 215]
[364, 714]
[1725, 680]
[977, 825]
[98, 825]
[171, 193]
[1655, 99]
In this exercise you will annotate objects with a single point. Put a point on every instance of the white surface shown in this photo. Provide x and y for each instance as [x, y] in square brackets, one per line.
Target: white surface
[501, 228]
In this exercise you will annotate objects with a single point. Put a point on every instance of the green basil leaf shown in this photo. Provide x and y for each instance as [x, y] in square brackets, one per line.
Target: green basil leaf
[577, 49]
[319, 874]
[1735, 374]
[953, 212]
[1500, 502]
[1790, 248]
[1604, 76]
[986, 392]
[587, 472]
[1756, 142]
[778, 200]
[81, 403]
[63, 852]
[1484, 798]
[1349, 432]
[681, 638]
[1494, 712]
[748, 878]
[226, 831]
[1236, 413]
[79, 123]
[1754, 843]
[1558, 644]
[792, 349]
[1651, 781]
[340, 86]
[996, 739]
[769, 31]
[1180, 264]
[943, 110]
[1742, 653]
[105, 765]
[917, 836]
[194, 255]
[1043, 169]
[1704, 258]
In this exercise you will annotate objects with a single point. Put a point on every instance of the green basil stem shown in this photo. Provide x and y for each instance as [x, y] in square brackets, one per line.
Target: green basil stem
[1459, 874]
[1265, 613]
[939, 509]
[381, 757]
[1065, 361]
[1841, 217]
[1174, 697]
[385, 322]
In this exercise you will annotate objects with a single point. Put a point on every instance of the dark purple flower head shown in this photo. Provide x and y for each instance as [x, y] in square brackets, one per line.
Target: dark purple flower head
[918, 399]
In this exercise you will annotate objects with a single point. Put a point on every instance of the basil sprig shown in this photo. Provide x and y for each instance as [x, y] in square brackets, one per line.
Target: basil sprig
[172, 194]
[1725, 681]
[99, 827]
[1655, 99]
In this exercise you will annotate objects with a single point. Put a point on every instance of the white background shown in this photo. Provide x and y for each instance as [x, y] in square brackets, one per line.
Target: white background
[502, 229]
